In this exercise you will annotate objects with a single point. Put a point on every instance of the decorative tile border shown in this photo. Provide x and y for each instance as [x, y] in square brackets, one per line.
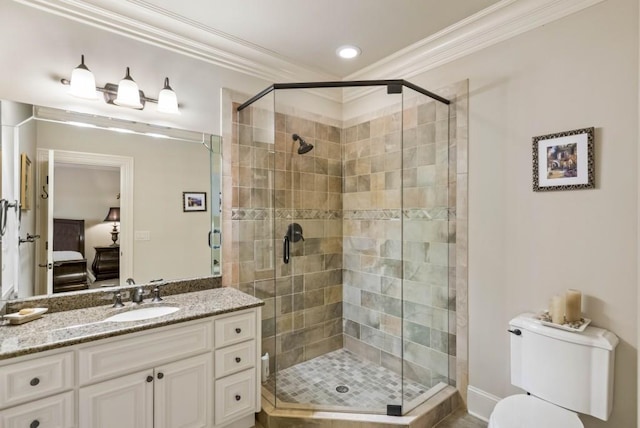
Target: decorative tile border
[388, 214]
[441, 213]
[267, 213]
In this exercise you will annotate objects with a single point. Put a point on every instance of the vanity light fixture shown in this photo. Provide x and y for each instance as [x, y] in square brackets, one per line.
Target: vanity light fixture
[128, 93]
[83, 83]
[167, 99]
[125, 94]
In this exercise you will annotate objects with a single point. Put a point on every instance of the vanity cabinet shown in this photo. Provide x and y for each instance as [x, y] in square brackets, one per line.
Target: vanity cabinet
[24, 386]
[235, 366]
[197, 374]
[171, 396]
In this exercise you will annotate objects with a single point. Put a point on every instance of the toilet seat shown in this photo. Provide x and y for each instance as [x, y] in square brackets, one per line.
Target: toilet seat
[527, 411]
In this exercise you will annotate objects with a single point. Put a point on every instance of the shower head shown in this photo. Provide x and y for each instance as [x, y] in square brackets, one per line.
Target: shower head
[304, 146]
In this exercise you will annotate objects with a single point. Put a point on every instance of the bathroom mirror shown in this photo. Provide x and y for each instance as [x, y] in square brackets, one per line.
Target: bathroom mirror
[68, 171]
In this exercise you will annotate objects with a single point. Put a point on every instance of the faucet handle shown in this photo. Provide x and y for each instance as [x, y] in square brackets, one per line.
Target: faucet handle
[117, 299]
[156, 290]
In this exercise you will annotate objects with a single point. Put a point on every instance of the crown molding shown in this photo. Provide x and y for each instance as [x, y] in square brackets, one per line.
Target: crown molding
[143, 21]
[502, 21]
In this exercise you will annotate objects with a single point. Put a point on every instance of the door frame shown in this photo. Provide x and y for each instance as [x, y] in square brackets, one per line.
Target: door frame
[125, 165]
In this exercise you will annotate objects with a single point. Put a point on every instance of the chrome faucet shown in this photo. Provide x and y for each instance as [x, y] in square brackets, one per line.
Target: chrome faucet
[137, 296]
[130, 281]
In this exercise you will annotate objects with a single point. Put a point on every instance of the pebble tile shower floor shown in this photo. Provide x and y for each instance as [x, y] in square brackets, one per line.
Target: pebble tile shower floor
[371, 386]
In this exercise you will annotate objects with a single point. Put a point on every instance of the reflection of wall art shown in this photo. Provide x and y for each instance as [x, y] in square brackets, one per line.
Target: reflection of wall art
[564, 161]
[25, 182]
[194, 201]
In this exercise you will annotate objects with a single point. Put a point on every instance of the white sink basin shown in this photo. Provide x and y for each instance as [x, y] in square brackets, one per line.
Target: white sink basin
[143, 314]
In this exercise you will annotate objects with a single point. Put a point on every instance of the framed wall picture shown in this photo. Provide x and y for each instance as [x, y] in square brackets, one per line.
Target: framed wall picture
[564, 161]
[194, 201]
[25, 182]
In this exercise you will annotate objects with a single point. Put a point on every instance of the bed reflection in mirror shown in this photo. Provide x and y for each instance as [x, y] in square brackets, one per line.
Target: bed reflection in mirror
[69, 263]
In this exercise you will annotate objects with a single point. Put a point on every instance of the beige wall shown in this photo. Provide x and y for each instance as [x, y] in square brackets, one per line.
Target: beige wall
[523, 246]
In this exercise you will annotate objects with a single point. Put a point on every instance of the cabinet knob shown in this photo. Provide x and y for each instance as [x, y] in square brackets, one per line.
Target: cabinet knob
[34, 382]
[238, 397]
[238, 359]
[34, 424]
[160, 375]
[238, 330]
[149, 378]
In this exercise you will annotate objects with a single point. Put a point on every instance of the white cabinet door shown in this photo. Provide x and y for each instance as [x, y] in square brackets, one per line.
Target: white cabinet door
[235, 396]
[124, 402]
[183, 393]
[53, 412]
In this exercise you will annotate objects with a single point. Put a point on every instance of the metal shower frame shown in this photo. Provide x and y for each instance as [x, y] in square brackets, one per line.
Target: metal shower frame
[394, 86]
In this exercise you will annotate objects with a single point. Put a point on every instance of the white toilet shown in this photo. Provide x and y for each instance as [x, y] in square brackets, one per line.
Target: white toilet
[565, 372]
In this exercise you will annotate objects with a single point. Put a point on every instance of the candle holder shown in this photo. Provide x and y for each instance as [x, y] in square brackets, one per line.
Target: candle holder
[575, 326]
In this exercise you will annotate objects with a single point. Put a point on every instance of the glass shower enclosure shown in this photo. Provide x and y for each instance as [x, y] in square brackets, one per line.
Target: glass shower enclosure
[341, 224]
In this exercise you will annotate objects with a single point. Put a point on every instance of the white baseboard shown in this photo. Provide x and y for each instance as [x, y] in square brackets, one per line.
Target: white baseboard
[480, 403]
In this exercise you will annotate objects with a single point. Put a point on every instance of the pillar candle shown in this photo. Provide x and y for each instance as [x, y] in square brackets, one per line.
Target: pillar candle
[556, 309]
[573, 311]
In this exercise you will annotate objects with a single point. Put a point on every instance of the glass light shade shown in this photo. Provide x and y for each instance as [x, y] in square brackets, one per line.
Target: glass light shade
[83, 83]
[167, 99]
[128, 93]
[113, 214]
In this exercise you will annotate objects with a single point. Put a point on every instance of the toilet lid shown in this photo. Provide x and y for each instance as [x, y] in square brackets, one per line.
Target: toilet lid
[527, 411]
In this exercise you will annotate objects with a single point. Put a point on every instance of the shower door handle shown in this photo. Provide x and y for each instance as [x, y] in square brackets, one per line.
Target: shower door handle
[285, 249]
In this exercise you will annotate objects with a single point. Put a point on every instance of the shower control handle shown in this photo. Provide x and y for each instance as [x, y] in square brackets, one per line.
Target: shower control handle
[285, 249]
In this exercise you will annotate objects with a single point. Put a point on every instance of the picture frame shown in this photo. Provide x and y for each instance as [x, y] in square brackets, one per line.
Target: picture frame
[194, 201]
[564, 161]
[25, 182]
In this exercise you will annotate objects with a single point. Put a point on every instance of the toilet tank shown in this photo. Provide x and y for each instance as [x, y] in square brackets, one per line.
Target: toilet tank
[569, 369]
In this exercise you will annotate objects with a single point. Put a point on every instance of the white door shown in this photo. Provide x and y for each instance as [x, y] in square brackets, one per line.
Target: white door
[50, 224]
[183, 393]
[125, 402]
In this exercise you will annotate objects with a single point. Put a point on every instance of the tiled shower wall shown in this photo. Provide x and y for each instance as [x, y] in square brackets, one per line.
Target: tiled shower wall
[399, 159]
[275, 186]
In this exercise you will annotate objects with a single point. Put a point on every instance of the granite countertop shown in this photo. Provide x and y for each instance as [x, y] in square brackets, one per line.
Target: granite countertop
[59, 329]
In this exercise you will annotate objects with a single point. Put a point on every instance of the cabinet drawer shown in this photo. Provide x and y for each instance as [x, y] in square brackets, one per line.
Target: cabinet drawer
[236, 358]
[235, 329]
[36, 378]
[146, 349]
[235, 396]
[53, 412]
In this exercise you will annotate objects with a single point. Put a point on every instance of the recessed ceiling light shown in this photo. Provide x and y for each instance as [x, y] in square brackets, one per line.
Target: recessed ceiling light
[348, 51]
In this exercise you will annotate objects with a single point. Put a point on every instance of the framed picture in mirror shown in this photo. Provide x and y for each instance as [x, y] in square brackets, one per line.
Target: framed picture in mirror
[194, 201]
[25, 182]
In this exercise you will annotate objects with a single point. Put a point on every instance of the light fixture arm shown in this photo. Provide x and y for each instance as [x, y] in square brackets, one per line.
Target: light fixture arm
[112, 90]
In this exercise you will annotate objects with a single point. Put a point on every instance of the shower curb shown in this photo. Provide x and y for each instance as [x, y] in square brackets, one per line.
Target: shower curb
[426, 415]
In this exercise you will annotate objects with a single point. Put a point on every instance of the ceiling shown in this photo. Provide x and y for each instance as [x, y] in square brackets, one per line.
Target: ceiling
[309, 32]
[289, 35]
